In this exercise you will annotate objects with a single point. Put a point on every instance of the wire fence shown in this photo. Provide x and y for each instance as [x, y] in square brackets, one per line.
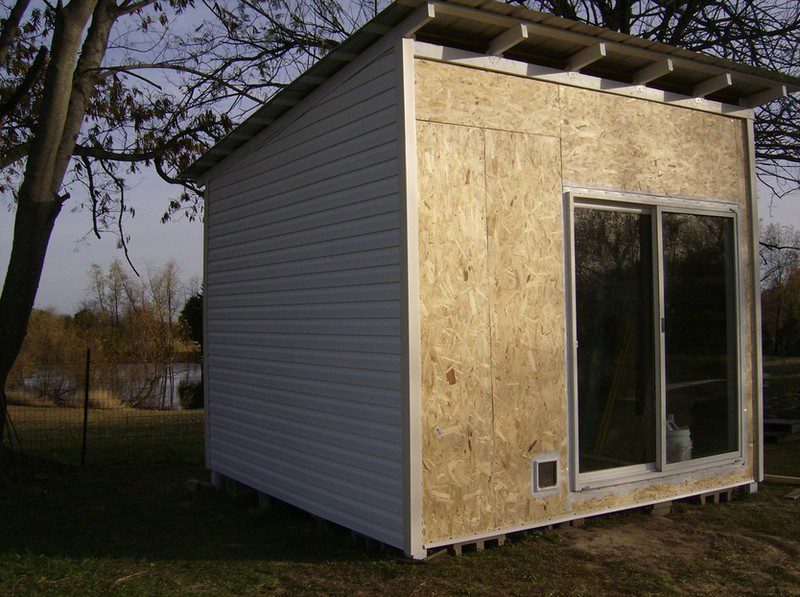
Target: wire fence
[100, 413]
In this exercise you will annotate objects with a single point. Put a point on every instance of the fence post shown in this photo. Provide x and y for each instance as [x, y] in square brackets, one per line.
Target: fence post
[85, 406]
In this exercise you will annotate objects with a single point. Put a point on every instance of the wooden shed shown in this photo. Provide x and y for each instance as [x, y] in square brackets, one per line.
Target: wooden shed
[482, 269]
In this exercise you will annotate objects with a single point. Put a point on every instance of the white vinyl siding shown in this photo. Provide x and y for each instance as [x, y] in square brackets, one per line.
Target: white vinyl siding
[303, 291]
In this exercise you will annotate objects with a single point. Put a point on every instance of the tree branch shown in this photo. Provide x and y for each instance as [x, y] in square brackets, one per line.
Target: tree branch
[14, 154]
[92, 193]
[773, 247]
[10, 28]
[34, 72]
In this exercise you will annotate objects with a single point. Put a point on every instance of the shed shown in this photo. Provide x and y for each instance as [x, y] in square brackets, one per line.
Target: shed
[482, 269]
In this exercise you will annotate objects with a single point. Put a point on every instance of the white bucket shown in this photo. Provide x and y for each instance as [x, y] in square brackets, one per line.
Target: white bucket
[679, 442]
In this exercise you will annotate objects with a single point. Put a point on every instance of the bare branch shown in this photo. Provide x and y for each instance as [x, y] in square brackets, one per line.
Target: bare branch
[10, 28]
[34, 72]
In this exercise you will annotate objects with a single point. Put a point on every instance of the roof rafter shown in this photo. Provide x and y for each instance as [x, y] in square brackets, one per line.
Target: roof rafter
[653, 71]
[586, 57]
[766, 96]
[508, 39]
[711, 85]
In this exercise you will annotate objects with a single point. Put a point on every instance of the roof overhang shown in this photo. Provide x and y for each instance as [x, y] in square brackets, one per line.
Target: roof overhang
[529, 36]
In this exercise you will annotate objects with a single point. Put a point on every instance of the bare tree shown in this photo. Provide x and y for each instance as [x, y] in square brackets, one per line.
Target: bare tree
[93, 90]
[780, 269]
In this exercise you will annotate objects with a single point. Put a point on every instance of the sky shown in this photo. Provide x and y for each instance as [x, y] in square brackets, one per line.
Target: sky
[65, 277]
[72, 250]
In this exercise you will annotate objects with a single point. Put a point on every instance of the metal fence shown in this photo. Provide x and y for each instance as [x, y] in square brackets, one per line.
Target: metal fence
[107, 413]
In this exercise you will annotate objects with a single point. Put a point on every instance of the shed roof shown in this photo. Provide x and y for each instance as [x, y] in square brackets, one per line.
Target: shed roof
[529, 36]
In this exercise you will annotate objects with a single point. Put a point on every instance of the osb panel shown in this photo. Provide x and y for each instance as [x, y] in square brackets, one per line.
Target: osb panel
[630, 495]
[484, 99]
[526, 241]
[629, 144]
[493, 352]
[454, 319]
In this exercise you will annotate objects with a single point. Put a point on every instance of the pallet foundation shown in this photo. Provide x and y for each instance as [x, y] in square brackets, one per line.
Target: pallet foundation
[715, 497]
[661, 510]
[478, 544]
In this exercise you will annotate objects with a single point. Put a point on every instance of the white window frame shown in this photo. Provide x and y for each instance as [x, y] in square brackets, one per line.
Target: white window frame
[655, 205]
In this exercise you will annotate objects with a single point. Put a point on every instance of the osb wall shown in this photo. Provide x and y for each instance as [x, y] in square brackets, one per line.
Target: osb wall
[493, 153]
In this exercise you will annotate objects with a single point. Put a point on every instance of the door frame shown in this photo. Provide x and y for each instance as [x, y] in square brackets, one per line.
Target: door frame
[655, 205]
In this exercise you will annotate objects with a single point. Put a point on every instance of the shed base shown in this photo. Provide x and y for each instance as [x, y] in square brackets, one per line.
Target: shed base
[578, 518]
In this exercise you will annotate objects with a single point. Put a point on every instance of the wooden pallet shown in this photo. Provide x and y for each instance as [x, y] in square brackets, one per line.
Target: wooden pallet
[478, 544]
[716, 497]
[660, 509]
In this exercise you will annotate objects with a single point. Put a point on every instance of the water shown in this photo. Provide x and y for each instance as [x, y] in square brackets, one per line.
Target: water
[142, 385]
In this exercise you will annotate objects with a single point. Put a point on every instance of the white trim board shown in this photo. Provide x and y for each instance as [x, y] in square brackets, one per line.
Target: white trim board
[412, 363]
[574, 79]
[756, 348]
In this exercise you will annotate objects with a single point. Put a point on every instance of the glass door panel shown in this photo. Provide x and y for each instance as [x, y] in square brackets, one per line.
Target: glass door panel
[700, 351]
[615, 338]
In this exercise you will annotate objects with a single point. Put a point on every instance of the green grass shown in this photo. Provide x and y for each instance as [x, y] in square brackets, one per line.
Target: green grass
[114, 436]
[137, 530]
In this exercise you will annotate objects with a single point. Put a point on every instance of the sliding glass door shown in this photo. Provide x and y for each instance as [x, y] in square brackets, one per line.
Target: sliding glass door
[655, 336]
[700, 339]
[614, 307]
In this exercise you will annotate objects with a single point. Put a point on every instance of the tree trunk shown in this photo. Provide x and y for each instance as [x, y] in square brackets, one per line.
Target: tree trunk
[33, 225]
[68, 86]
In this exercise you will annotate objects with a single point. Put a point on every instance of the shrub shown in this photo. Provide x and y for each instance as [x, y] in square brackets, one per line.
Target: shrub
[190, 395]
[103, 399]
[27, 398]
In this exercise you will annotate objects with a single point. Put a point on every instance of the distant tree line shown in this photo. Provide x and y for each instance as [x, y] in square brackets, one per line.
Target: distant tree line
[780, 290]
[136, 332]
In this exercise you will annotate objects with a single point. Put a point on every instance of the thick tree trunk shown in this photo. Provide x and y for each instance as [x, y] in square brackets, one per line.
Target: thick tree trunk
[33, 225]
[69, 85]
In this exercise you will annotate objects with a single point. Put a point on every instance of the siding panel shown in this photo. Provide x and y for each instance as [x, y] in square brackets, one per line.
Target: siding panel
[304, 307]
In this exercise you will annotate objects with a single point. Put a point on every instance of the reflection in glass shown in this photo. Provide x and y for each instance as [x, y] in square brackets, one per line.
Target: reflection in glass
[614, 310]
[700, 340]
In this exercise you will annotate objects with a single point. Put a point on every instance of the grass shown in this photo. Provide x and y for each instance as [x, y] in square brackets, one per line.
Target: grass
[137, 530]
[127, 524]
[113, 436]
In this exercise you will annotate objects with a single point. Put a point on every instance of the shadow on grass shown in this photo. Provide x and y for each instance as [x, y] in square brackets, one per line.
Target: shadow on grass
[146, 511]
[138, 530]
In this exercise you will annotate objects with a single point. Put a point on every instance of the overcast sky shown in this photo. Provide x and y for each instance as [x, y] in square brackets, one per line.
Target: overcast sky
[68, 259]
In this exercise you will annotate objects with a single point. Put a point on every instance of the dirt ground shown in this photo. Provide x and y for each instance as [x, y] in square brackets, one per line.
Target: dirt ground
[702, 549]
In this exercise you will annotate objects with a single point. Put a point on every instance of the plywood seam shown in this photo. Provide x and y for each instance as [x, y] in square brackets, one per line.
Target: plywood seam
[608, 193]
[486, 128]
[489, 319]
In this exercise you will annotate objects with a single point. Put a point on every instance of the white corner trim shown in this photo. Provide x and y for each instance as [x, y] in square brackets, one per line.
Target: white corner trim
[409, 233]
